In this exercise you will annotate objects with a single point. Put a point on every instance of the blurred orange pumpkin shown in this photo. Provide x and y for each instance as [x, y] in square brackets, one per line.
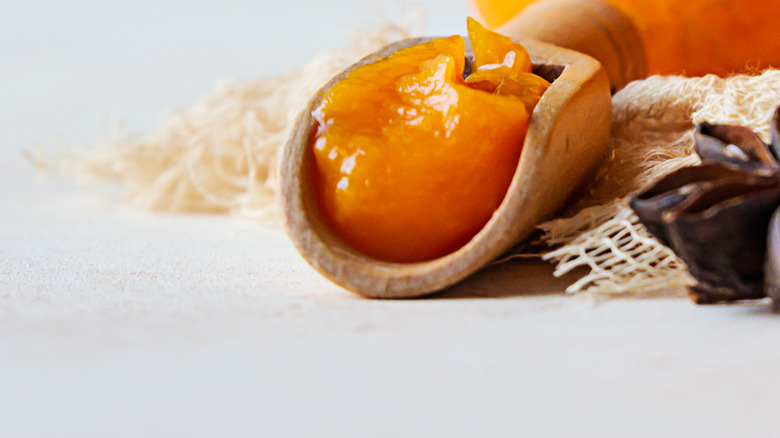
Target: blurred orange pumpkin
[694, 37]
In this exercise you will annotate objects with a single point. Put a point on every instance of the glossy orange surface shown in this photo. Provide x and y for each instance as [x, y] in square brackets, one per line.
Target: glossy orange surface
[694, 37]
[410, 162]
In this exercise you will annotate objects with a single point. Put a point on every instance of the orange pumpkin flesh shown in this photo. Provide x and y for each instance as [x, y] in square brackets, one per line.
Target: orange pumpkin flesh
[692, 37]
[410, 161]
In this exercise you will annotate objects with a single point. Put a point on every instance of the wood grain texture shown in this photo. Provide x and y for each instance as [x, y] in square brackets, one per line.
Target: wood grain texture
[566, 140]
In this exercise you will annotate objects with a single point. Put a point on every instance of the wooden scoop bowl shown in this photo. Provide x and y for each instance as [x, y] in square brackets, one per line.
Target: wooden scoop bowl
[565, 142]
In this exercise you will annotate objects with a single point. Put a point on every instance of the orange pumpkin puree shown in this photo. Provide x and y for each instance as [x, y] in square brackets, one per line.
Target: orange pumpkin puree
[410, 159]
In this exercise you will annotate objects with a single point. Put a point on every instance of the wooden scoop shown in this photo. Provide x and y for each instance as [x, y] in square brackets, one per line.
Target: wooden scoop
[565, 142]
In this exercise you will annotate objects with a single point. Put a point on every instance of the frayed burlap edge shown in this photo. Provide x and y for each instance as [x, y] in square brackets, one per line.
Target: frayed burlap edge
[652, 129]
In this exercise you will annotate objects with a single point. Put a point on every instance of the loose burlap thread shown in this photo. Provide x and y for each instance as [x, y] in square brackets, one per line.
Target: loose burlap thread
[652, 135]
[219, 155]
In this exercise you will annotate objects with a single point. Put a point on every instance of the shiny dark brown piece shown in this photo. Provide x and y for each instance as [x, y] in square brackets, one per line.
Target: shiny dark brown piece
[774, 129]
[721, 235]
[716, 216]
[772, 263]
[675, 189]
[734, 145]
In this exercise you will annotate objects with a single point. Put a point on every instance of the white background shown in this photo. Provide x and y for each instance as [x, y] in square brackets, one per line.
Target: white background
[121, 323]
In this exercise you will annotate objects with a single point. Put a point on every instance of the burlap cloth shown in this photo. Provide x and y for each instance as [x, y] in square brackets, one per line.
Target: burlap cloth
[219, 155]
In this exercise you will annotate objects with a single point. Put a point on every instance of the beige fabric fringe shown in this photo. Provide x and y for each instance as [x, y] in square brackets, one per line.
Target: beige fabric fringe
[219, 155]
[652, 128]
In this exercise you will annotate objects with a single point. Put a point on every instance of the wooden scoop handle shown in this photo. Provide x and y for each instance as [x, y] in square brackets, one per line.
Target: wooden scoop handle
[592, 27]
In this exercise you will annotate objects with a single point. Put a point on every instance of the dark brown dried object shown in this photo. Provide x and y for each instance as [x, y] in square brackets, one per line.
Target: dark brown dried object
[772, 264]
[674, 190]
[715, 216]
[732, 145]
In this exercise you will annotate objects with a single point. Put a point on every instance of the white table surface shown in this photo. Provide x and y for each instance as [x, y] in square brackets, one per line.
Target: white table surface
[120, 323]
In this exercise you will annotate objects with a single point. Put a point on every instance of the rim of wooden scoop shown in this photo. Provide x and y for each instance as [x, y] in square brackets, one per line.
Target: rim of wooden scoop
[565, 141]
